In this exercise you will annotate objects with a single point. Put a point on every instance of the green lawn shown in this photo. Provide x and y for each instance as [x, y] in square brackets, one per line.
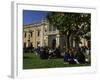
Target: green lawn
[31, 61]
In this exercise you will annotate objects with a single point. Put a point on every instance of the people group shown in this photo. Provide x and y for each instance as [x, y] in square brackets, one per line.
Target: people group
[69, 55]
[75, 55]
[48, 53]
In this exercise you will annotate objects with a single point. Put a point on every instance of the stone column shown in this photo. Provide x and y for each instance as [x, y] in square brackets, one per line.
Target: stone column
[41, 36]
[57, 40]
[27, 38]
[46, 41]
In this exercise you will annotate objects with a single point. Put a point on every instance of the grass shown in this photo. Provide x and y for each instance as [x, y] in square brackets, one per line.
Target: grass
[31, 61]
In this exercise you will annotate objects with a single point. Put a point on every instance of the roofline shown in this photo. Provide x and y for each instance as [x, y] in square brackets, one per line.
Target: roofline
[33, 25]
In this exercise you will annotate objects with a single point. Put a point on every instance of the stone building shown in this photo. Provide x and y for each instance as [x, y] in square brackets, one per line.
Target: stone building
[43, 34]
[35, 35]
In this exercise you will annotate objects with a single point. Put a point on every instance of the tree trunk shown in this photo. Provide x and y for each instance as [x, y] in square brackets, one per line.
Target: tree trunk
[68, 41]
[77, 40]
[67, 36]
[71, 40]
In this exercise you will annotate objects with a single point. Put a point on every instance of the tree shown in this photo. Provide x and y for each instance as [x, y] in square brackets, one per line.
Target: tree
[83, 24]
[71, 25]
[62, 22]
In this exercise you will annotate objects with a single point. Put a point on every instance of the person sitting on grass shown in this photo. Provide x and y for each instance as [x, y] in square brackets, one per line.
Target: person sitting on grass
[80, 56]
[71, 57]
[66, 57]
[51, 54]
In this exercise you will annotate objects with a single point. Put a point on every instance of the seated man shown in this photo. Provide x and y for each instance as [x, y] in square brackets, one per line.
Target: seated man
[71, 58]
[66, 57]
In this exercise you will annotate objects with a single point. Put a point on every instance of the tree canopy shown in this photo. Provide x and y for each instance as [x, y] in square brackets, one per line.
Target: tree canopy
[69, 23]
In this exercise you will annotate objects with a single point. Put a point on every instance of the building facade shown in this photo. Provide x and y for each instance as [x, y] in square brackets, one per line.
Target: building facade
[43, 34]
[35, 35]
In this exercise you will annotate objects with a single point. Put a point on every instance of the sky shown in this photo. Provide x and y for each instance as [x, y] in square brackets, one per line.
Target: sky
[30, 16]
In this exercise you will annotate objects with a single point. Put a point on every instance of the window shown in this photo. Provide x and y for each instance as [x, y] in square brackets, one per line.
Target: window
[25, 34]
[31, 34]
[54, 28]
[24, 45]
[31, 45]
[38, 44]
[50, 28]
[45, 30]
[38, 34]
